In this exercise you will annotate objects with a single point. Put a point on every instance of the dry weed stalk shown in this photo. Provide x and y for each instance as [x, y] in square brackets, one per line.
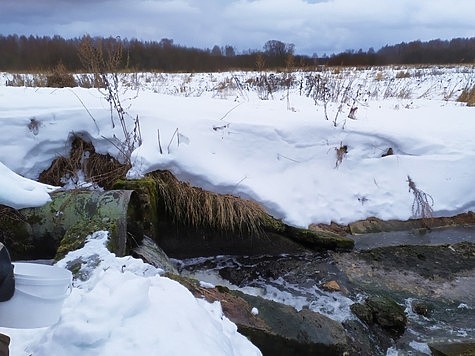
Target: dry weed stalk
[105, 65]
[423, 202]
[340, 154]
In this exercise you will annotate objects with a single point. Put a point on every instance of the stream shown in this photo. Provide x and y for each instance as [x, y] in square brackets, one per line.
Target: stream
[298, 281]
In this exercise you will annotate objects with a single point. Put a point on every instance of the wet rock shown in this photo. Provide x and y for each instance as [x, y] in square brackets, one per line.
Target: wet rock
[384, 312]
[149, 252]
[373, 224]
[319, 239]
[421, 308]
[294, 333]
[427, 261]
[331, 286]
[453, 348]
[277, 329]
[366, 342]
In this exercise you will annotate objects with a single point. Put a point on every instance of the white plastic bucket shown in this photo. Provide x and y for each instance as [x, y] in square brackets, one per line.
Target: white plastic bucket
[40, 291]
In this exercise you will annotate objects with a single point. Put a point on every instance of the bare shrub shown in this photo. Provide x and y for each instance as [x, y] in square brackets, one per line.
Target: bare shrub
[105, 63]
[403, 74]
[423, 202]
[25, 80]
[60, 78]
[17, 80]
[379, 76]
[85, 81]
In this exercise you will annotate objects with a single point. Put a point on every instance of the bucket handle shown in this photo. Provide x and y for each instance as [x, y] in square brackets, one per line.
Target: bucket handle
[68, 293]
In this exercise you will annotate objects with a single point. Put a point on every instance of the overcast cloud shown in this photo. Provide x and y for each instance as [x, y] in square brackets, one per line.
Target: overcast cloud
[314, 26]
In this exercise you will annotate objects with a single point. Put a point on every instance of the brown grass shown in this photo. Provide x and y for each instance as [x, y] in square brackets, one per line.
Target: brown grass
[203, 209]
[186, 205]
[99, 169]
[60, 78]
[468, 96]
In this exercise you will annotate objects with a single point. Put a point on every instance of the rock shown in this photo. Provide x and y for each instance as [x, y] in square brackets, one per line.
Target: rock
[331, 286]
[291, 332]
[149, 251]
[364, 341]
[363, 312]
[277, 329]
[452, 348]
[319, 239]
[416, 271]
[382, 311]
[421, 308]
[389, 152]
[373, 224]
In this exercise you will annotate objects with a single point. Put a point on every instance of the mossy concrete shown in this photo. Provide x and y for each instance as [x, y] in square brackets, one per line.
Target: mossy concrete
[63, 224]
[182, 240]
[148, 200]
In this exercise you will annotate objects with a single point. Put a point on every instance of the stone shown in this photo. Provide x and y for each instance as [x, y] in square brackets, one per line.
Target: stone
[151, 253]
[389, 152]
[384, 312]
[331, 286]
[448, 348]
[421, 308]
[277, 329]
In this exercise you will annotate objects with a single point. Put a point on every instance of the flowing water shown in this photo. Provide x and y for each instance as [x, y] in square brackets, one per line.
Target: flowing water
[297, 280]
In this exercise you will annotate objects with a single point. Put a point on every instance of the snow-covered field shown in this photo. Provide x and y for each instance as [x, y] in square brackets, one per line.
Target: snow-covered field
[280, 152]
[222, 133]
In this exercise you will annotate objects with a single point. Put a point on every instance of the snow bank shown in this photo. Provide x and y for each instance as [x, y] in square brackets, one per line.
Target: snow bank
[19, 192]
[229, 141]
[125, 307]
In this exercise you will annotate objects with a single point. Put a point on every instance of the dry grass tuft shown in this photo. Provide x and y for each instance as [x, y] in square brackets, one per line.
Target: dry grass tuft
[99, 169]
[202, 209]
[60, 78]
[468, 96]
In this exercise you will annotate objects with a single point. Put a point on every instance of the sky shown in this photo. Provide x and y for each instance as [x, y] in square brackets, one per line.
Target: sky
[313, 26]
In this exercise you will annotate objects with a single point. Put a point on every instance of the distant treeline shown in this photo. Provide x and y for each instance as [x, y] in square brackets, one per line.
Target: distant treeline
[457, 50]
[33, 53]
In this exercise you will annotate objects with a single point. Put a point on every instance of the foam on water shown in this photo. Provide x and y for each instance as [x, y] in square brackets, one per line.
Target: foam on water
[332, 304]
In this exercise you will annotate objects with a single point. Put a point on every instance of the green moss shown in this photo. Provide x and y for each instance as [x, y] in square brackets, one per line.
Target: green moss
[16, 236]
[319, 239]
[147, 191]
[75, 236]
[222, 289]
